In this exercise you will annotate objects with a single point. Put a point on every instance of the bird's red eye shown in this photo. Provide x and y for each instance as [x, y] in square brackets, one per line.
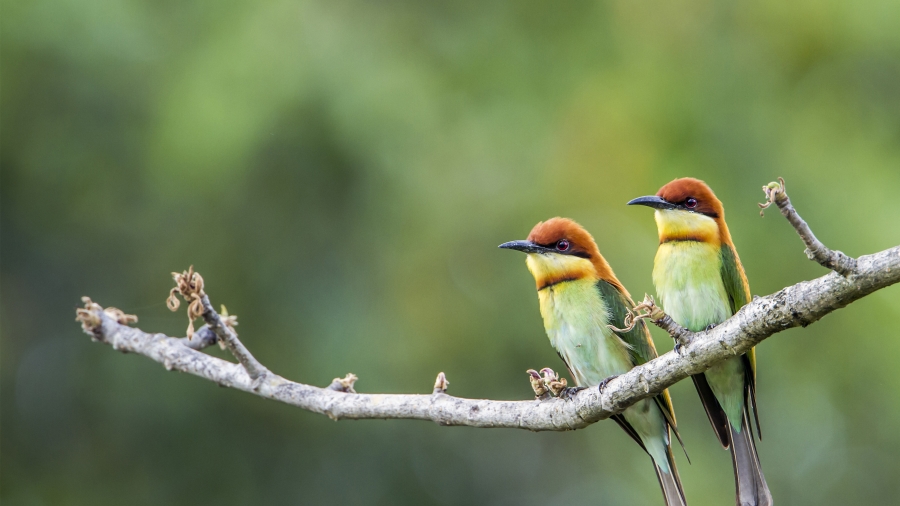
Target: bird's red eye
[690, 203]
[562, 245]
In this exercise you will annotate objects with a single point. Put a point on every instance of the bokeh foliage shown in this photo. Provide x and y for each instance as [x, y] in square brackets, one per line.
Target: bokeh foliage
[341, 174]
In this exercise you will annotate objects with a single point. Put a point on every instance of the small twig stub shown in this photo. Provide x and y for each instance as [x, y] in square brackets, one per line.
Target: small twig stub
[344, 384]
[772, 190]
[90, 321]
[441, 383]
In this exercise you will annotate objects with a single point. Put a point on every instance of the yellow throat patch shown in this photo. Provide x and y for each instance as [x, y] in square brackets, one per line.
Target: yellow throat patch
[676, 225]
[552, 268]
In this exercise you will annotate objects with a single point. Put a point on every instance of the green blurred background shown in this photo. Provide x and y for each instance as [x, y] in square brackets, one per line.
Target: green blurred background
[342, 172]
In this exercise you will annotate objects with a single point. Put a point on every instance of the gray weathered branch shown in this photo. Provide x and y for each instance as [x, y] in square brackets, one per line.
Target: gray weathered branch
[831, 259]
[797, 305]
[227, 335]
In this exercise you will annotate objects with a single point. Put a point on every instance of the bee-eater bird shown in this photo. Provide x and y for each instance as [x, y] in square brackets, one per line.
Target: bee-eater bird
[579, 297]
[700, 283]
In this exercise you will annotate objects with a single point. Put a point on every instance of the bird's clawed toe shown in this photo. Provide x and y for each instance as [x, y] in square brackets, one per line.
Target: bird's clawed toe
[569, 392]
[603, 383]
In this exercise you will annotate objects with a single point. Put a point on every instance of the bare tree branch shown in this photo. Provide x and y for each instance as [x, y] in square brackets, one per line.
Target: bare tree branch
[830, 259]
[797, 305]
[227, 335]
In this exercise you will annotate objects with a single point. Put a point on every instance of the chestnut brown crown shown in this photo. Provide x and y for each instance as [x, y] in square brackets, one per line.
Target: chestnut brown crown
[566, 236]
[694, 195]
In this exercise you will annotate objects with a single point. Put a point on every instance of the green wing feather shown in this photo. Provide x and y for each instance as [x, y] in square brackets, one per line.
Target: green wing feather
[618, 305]
[640, 342]
[736, 287]
[733, 277]
[738, 290]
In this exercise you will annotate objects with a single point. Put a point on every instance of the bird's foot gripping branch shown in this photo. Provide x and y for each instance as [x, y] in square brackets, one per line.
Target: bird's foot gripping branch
[797, 305]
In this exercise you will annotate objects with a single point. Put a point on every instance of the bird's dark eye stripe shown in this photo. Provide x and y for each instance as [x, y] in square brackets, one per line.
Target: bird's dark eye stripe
[568, 251]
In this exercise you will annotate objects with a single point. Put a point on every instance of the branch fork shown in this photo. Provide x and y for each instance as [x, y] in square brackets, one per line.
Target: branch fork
[189, 284]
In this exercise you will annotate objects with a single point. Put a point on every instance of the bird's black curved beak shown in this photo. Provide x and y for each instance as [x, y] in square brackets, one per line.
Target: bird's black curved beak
[652, 201]
[523, 246]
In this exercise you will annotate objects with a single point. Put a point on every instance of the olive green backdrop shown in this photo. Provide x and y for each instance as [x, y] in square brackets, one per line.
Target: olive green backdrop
[342, 172]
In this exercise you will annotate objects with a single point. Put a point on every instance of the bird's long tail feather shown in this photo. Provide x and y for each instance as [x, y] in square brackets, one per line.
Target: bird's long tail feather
[750, 484]
[670, 482]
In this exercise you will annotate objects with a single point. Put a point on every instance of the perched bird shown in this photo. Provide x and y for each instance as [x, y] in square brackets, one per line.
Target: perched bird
[579, 297]
[700, 283]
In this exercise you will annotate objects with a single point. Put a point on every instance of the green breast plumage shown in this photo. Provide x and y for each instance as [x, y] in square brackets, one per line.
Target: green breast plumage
[576, 318]
[688, 280]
